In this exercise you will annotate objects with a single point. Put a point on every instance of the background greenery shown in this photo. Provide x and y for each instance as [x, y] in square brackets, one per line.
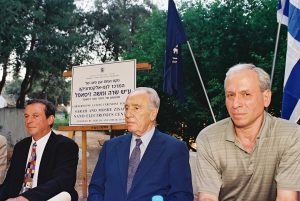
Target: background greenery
[46, 37]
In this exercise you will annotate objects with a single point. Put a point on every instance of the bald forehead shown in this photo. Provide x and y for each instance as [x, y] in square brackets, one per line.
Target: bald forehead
[139, 92]
[138, 97]
[246, 79]
[251, 74]
[244, 72]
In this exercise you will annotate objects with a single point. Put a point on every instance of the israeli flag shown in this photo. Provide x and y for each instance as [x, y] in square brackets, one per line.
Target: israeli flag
[289, 14]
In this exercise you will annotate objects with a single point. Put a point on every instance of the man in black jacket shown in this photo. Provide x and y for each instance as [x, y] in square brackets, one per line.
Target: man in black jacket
[55, 159]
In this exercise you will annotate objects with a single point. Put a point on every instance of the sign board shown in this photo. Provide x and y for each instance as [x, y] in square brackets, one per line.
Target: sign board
[99, 92]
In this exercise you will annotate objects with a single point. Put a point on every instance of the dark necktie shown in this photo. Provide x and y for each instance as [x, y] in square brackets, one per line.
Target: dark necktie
[134, 161]
[30, 169]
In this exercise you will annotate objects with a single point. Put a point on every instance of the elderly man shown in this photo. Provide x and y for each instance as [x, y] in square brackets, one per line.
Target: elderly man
[251, 155]
[143, 163]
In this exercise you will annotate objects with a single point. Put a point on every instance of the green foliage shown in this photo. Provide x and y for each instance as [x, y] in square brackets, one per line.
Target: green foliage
[221, 34]
[60, 121]
[114, 23]
[12, 87]
[54, 88]
[44, 37]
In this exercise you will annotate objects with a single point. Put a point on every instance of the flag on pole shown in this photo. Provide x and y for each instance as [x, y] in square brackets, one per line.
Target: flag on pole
[173, 79]
[283, 11]
[289, 14]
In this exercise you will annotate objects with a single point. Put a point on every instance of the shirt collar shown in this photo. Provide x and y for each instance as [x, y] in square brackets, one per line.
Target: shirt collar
[230, 132]
[145, 138]
[41, 141]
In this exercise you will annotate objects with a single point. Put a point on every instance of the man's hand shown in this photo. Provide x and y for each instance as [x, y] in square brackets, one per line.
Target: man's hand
[19, 198]
[286, 195]
[207, 197]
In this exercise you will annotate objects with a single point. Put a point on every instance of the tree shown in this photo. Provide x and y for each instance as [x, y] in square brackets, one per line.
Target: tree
[50, 87]
[12, 26]
[12, 87]
[53, 39]
[115, 22]
[53, 88]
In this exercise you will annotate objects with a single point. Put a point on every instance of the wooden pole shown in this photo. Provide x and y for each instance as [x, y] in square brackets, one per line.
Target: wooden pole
[84, 164]
[139, 66]
[71, 134]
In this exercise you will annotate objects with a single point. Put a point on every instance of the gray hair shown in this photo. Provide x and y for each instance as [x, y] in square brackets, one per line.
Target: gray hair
[263, 77]
[153, 96]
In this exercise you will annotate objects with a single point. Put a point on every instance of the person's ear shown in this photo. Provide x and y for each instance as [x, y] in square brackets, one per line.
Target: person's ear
[50, 120]
[153, 114]
[267, 97]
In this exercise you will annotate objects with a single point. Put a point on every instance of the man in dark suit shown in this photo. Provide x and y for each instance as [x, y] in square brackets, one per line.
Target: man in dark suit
[163, 161]
[56, 159]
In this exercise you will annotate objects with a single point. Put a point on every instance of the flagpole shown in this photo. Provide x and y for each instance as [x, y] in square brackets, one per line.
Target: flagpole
[196, 66]
[275, 53]
[277, 41]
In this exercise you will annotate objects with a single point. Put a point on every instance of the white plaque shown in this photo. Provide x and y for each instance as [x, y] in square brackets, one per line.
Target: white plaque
[99, 92]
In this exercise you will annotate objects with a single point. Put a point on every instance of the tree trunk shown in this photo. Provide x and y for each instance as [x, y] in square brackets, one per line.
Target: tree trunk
[4, 75]
[27, 81]
[186, 138]
[25, 87]
[43, 93]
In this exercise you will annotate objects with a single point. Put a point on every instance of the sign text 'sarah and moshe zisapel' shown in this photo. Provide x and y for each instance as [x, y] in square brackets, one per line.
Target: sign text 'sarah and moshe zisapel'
[99, 92]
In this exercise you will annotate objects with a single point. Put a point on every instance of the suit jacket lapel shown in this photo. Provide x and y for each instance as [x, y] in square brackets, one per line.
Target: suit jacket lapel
[123, 149]
[21, 163]
[47, 151]
[154, 150]
[25, 153]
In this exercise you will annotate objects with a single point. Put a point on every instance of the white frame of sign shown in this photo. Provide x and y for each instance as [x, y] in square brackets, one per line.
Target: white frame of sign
[99, 91]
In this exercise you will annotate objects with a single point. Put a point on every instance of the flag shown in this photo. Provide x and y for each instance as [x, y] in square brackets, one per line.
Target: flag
[173, 79]
[289, 14]
[283, 11]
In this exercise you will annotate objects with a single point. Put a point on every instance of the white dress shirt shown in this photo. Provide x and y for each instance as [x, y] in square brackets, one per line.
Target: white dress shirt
[40, 146]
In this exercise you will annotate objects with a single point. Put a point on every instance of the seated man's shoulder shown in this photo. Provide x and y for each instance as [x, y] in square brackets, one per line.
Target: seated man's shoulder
[283, 123]
[170, 140]
[65, 140]
[118, 139]
[214, 130]
[284, 127]
[2, 139]
[23, 141]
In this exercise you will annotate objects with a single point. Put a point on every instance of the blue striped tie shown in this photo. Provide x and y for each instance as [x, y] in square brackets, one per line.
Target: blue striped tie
[134, 161]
